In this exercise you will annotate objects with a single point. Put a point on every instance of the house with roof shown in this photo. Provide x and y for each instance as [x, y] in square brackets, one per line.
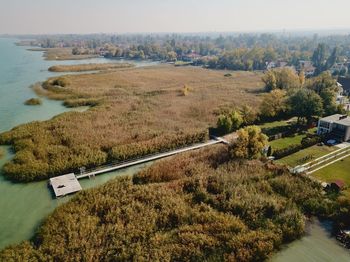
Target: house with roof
[336, 125]
[307, 67]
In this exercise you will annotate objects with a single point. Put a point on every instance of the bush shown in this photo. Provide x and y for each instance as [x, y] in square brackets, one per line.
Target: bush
[33, 102]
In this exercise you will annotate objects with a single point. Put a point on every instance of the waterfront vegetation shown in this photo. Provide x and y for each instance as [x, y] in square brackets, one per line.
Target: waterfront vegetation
[197, 206]
[89, 67]
[135, 112]
[62, 54]
[33, 102]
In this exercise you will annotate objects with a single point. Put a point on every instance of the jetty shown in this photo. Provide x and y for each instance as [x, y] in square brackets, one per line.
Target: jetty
[67, 184]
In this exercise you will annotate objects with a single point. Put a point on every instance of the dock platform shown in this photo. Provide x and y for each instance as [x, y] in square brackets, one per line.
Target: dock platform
[65, 185]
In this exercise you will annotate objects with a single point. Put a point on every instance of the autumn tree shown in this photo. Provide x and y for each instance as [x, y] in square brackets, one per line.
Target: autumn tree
[285, 78]
[249, 144]
[248, 114]
[273, 104]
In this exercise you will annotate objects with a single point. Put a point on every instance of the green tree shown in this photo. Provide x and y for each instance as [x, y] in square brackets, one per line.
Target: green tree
[224, 124]
[332, 59]
[249, 144]
[319, 58]
[305, 104]
[329, 101]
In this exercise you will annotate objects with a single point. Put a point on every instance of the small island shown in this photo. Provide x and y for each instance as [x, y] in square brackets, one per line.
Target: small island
[33, 102]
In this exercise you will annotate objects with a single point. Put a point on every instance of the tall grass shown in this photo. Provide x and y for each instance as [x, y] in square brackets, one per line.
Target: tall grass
[135, 112]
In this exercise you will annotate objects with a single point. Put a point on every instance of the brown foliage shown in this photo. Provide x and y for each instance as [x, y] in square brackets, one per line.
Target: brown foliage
[136, 112]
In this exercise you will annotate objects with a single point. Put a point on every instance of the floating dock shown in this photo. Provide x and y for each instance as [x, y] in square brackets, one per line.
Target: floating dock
[65, 185]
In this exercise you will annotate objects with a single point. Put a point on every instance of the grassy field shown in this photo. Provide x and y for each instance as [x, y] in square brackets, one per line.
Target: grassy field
[297, 158]
[285, 142]
[276, 127]
[338, 171]
[88, 67]
[61, 54]
[136, 111]
[289, 141]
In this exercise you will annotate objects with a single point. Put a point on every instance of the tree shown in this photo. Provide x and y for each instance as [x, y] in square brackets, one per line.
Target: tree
[305, 104]
[224, 124]
[236, 119]
[273, 104]
[285, 78]
[325, 86]
[249, 144]
[319, 58]
[321, 82]
[248, 115]
[302, 78]
[329, 101]
[270, 81]
[332, 58]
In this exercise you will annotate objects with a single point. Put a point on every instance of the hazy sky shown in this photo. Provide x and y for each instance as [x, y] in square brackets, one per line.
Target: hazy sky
[119, 16]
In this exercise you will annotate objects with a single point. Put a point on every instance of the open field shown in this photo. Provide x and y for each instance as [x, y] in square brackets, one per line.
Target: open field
[88, 67]
[297, 158]
[136, 111]
[61, 54]
[337, 171]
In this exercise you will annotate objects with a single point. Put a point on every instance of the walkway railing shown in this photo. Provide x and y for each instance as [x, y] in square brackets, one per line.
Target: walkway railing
[143, 159]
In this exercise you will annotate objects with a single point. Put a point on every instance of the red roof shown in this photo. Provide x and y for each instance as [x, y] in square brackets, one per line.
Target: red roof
[339, 183]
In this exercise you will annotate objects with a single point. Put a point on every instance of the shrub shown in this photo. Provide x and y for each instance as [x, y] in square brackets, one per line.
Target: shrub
[33, 102]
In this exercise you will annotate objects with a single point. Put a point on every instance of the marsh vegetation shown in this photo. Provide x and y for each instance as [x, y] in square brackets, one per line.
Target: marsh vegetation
[135, 112]
[33, 102]
[88, 67]
[197, 206]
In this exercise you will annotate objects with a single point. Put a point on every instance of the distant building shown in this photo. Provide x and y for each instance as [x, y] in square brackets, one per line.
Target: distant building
[336, 125]
[339, 68]
[275, 64]
[191, 57]
[307, 67]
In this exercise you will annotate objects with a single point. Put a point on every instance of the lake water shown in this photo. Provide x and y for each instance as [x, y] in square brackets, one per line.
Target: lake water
[317, 246]
[24, 206]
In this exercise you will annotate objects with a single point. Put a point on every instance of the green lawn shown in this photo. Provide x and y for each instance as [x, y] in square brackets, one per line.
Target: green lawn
[286, 142]
[338, 171]
[273, 124]
[297, 158]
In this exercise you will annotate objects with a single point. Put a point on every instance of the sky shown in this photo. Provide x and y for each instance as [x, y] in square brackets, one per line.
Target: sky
[144, 16]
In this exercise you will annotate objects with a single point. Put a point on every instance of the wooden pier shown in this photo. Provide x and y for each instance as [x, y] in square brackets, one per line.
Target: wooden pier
[109, 168]
[67, 184]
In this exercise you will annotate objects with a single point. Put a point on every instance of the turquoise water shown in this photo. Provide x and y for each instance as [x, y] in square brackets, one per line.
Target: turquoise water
[24, 206]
